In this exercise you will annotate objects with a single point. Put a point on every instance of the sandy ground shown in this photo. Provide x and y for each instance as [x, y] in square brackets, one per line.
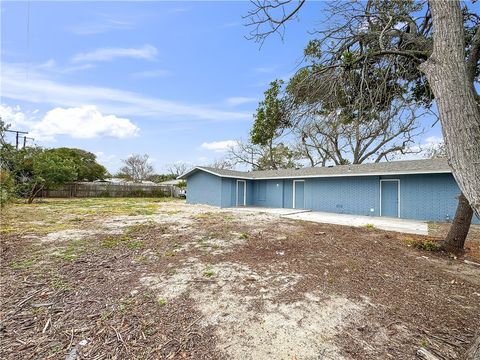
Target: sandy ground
[168, 280]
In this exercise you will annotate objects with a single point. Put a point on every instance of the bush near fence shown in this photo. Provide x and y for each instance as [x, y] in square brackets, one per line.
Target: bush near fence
[94, 189]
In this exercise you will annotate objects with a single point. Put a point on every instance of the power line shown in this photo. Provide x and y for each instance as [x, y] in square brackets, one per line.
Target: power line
[25, 138]
[18, 132]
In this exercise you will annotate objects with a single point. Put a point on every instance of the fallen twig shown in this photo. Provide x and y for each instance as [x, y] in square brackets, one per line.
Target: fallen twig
[47, 325]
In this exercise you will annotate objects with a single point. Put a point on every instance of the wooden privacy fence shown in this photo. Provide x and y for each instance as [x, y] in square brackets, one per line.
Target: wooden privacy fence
[94, 189]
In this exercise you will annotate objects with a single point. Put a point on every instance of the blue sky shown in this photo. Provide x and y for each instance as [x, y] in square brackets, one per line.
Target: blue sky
[175, 80]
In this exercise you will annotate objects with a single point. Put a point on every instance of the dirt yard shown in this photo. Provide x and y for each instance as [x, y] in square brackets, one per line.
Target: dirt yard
[157, 279]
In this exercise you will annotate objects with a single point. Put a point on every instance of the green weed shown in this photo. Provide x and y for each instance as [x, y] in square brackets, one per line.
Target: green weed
[133, 245]
[208, 272]
[111, 242]
[426, 245]
[23, 264]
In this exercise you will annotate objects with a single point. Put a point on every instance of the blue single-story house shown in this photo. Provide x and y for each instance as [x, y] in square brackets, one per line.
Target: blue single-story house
[416, 189]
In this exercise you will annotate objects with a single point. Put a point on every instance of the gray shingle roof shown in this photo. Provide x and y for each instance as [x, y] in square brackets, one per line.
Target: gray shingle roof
[382, 168]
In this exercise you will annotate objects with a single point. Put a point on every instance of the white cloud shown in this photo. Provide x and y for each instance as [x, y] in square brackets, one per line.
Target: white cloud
[239, 100]
[219, 146]
[421, 149]
[103, 158]
[147, 52]
[41, 89]
[434, 140]
[110, 161]
[83, 122]
[15, 117]
[51, 66]
[150, 74]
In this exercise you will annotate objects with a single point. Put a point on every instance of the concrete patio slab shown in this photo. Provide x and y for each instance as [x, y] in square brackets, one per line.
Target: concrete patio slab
[384, 223]
[278, 211]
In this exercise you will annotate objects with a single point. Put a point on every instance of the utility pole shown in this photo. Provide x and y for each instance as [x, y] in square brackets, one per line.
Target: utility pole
[17, 136]
[25, 140]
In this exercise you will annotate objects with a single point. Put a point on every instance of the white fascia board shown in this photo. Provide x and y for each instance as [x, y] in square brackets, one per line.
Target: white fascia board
[359, 174]
[213, 173]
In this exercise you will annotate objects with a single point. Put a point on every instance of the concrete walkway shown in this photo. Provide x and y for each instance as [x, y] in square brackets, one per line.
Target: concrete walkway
[277, 211]
[384, 223]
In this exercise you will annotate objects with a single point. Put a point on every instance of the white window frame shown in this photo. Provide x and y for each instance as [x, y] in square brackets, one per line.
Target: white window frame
[244, 192]
[294, 193]
[398, 193]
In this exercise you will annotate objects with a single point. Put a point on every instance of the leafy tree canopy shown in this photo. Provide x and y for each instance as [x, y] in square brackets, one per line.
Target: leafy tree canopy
[85, 163]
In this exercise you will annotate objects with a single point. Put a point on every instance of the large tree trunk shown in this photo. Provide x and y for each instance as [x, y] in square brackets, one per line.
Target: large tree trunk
[461, 224]
[473, 353]
[447, 76]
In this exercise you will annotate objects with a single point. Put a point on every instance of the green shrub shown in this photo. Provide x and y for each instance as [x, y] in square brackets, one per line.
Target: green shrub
[427, 245]
[7, 188]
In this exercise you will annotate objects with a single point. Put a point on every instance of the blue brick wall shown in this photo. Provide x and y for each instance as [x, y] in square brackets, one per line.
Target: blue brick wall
[288, 193]
[228, 192]
[428, 196]
[345, 195]
[422, 197]
[273, 193]
[250, 193]
[204, 188]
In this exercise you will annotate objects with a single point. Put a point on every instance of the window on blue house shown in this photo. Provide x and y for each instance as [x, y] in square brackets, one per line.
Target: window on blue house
[262, 191]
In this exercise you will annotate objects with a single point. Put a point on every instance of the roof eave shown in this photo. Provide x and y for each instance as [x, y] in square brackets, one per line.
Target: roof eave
[199, 168]
[393, 173]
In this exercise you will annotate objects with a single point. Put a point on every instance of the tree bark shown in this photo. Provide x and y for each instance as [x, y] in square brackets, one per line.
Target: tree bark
[458, 232]
[473, 353]
[447, 76]
[35, 190]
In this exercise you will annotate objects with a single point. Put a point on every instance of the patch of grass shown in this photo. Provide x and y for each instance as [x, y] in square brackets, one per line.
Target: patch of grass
[370, 226]
[68, 256]
[243, 236]
[133, 245]
[56, 349]
[20, 265]
[111, 242]
[124, 307]
[149, 330]
[38, 217]
[137, 212]
[60, 284]
[161, 302]
[74, 249]
[170, 253]
[141, 259]
[208, 272]
[426, 245]
[424, 343]
[7, 230]
[204, 215]
[106, 315]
